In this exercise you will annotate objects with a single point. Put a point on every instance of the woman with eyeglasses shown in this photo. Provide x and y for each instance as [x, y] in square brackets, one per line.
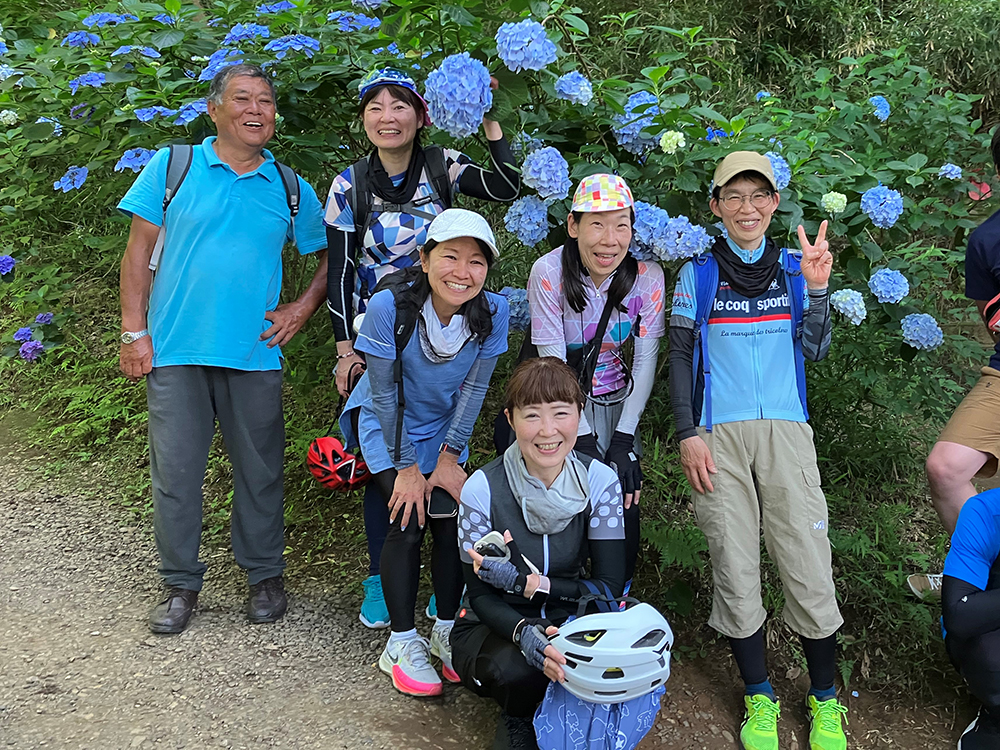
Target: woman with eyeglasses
[593, 280]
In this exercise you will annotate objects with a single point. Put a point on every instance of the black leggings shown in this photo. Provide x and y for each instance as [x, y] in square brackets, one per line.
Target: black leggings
[400, 569]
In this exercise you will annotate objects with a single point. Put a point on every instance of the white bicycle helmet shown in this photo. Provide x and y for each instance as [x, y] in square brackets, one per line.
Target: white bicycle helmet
[613, 657]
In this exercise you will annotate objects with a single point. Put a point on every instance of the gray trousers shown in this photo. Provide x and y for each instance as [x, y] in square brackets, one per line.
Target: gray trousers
[184, 403]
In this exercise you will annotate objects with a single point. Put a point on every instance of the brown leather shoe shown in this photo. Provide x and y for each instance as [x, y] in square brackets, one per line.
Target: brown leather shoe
[267, 601]
[172, 614]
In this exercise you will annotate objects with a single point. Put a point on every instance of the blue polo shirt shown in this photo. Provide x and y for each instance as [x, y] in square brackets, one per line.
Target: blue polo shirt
[221, 265]
[975, 544]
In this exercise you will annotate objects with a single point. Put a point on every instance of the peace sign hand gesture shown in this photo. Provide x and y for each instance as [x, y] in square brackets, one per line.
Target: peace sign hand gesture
[817, 260]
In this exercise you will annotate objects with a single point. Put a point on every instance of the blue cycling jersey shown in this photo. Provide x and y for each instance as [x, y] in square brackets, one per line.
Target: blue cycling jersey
[975, 545]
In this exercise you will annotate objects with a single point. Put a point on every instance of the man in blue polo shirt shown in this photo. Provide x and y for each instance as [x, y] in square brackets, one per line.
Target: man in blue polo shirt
[209, 345]
[970, 605]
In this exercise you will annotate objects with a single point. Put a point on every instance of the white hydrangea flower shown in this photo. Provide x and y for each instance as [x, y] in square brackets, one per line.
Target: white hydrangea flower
[8, 117]
[671, 141]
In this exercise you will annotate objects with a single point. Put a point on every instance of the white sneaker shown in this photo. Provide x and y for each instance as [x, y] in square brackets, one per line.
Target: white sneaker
[925, 585]
[408, 663]
[441, 648]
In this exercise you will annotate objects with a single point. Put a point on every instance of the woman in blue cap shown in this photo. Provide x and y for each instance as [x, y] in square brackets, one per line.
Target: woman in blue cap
[377, 216]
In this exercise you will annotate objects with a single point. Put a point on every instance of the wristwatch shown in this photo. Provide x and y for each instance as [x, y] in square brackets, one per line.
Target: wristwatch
[451, 450]
[130, 337]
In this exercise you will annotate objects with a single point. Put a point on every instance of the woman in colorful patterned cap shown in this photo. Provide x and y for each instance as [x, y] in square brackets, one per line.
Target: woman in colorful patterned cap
[570, 290]
[377, 216]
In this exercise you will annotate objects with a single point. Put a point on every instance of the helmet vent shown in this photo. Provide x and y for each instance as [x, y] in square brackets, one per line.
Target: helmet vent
[650, 639]
[613, 673]
[578, 657]
[588, 638]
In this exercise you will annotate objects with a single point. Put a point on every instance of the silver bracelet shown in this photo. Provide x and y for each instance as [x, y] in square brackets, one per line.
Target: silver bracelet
[351, 353]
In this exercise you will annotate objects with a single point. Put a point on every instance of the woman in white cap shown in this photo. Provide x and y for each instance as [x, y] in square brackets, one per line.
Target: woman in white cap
[377, 216]
[431, 343]
[593, 280]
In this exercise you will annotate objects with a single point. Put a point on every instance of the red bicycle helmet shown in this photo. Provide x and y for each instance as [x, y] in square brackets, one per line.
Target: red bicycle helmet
[334, 467]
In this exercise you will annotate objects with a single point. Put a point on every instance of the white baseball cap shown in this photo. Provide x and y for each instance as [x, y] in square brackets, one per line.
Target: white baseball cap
[453, 223]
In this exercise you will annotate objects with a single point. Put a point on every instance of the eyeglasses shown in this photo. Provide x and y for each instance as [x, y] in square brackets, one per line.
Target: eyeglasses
[760, 199]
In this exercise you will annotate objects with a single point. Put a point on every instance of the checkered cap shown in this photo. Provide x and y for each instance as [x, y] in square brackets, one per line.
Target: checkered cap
[602, 192]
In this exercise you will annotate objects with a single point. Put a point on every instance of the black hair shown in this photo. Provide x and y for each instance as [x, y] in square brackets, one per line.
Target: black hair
[995, 148]
[748, 174]
[573, 271]
[478, 311]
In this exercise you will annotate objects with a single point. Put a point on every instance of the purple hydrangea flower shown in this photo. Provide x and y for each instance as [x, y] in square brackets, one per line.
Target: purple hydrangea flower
[300, 42]
[574, 87]
[30, 350]
[73, 179]
[528, 218]
[850, 304]
[921, 331]
[270, 8]
[640, 109]
[348, 21]
[94, 80]
[547, 171]
[190, 111]
[950, 171]
[80, 39]
[782, 172]
[458, 94]
[524, 46]
[7, 264]
[22, 334]
[883, 205]
[245, 32]
[881, 105]
[888, 285]
[146, 114]
[43, 319]
[134, 159]
[520, 314]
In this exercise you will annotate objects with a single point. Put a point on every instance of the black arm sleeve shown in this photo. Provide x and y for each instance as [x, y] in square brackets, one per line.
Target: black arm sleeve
[503, 183]
[817, 326]
[340, 281]
[489, 606]
[968, 611]
[682, 343]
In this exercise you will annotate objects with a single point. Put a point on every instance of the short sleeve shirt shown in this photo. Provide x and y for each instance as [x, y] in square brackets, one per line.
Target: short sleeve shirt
[975, 545]
[982, 267]
[553, 320]
[220, 270]
[392, 240]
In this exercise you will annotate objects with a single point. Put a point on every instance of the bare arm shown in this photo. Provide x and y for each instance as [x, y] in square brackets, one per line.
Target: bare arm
[287, 319]
[136, 359]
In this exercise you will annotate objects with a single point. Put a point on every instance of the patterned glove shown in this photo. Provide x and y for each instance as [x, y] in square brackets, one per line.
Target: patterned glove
[588, 444]
[621, 457]
[532, 642]
[503, 575]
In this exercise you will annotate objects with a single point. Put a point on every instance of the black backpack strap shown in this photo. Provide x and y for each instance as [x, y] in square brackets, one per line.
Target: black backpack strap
[437, 173]
[360, 198]
[406, 322]
[292, 193]
[585, 362]
[178, 164]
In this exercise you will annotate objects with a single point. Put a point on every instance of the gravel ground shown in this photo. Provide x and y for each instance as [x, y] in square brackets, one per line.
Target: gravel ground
[80, 670]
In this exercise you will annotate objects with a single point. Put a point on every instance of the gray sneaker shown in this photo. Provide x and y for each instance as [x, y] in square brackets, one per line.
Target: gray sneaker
[441, 648]
[408, 663]
[925, 586]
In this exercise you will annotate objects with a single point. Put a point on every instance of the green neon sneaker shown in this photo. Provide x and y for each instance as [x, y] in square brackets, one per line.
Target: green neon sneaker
[826, 731]
[760, 729]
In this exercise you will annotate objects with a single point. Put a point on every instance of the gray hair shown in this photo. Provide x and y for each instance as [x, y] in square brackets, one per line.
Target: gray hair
[221, 80]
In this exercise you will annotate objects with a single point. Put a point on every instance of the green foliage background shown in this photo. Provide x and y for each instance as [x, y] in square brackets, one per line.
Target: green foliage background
[876, 404]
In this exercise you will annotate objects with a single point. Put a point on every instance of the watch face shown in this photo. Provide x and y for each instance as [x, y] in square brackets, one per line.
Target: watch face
[126, 338]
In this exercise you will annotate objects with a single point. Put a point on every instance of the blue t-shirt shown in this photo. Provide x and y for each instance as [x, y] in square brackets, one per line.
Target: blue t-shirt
[750, 347]
[431, 389]
[982, 268]
[975, 545]
[221, 265]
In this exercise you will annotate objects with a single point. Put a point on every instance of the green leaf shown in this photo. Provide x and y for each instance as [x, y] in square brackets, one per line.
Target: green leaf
[656, 74]
[872, 251]
[577, 23]
[458, 14]
[166, 38]
[917, 161]
[710, 114]
[915, 180]
[38, 131]
[173, 7]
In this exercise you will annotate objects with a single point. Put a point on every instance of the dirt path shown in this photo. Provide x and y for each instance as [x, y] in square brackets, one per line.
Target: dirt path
[78, 669]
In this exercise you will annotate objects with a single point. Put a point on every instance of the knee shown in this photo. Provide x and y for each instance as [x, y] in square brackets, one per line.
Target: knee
[943, 467]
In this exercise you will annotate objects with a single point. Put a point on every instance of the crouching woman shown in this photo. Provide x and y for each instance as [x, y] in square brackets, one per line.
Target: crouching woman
[558, 511]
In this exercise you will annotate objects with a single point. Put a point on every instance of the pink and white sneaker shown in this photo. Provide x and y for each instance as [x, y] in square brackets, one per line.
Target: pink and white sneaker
[408, 663]
[441, 648]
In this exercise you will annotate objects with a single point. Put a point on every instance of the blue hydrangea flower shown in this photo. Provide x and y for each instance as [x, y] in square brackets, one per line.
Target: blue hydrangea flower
[575, 87]
[782, 172]
[22, 334]
[221, 58]
[547, 171]
[684, 239]
[79, 111]
[30, 350]
[520, 314]
[269, 8]
[950, 171]
[144, 51]
[347, 21]
[524, 46]
[299, 42]
[165, 19]
[146, 114]
[722, 229]
[392, 49]
[189, 112]
[883, 205]
[43, 319]
[881, 105]
[888, 285]
[6, 72]
[245, 32]
[523, 144]
[458, 94]
[107, 19]
[368, 4]
[640, 109]
[921, 331]
[763, 95]
[715, 134]
[95, 80]
[7, 264]
[528, 218]
[134, 159]
[3, 47]
[80, 39]
[56, 125]
[73, 179]
[850, 304]
[649, 232]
